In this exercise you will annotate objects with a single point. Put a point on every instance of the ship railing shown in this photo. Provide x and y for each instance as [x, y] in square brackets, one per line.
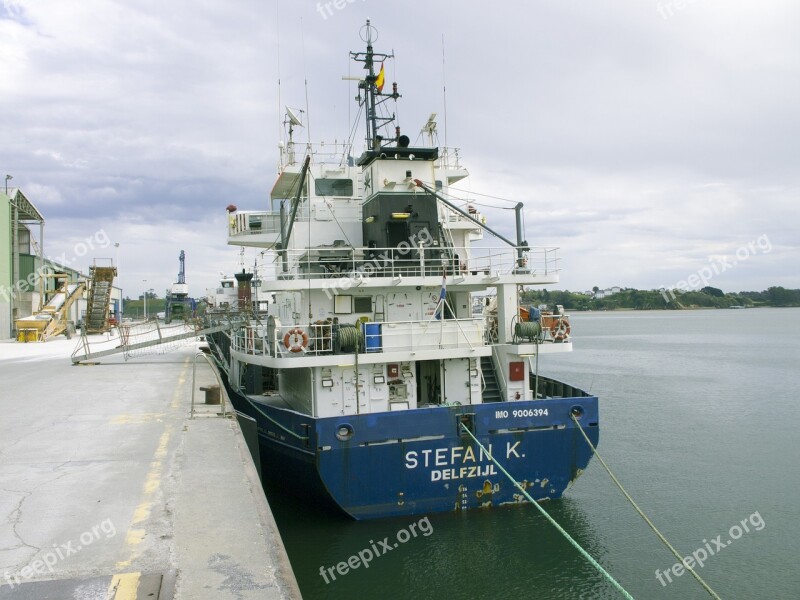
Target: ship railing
[354, 264]
[454, 217]
[323, 337]
[246, 223]
[335, 153]
[252, 223]
[449, 157]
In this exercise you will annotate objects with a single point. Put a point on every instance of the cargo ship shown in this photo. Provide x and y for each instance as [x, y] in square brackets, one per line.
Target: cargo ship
[383, 324]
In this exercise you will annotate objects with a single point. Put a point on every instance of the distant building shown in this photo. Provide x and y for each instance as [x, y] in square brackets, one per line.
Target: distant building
[600, 294]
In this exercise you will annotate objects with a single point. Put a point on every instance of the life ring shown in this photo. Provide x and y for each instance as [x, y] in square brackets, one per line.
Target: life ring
[560, 330]
[295, 340]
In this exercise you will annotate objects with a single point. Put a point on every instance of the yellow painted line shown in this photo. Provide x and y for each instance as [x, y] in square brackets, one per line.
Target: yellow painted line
[134, 537]
[152, 482]
[142, 512]
[137, 419]
[123, 586]
[177, 396]
[163, 442]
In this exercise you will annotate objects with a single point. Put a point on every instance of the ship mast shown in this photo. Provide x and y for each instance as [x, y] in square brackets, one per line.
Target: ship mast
[373, 96]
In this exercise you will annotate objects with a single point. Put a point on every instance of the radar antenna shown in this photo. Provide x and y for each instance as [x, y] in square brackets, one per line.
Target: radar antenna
[430, 129]
[372, 85]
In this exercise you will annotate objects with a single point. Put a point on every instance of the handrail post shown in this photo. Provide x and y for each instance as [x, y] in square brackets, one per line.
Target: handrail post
[222, 393]
[194, 374]
[504, 387]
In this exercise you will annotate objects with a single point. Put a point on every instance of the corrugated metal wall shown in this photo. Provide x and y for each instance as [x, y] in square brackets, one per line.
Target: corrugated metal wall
[27, 266]
[5, 320]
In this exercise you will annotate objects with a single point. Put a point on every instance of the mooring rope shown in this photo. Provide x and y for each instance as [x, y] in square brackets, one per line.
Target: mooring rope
[350, 339]
[677, 555]
[527, 330]
[561, 530]
[273, 421]
[255, 406]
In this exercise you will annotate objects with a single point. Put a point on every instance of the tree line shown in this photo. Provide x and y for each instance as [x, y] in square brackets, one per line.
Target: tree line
[629, 298]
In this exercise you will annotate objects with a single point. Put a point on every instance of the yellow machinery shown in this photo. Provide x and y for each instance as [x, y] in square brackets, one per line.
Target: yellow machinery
[52, 319]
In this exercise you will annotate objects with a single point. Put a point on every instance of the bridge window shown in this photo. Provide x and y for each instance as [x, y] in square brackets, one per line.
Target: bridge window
[333, 187]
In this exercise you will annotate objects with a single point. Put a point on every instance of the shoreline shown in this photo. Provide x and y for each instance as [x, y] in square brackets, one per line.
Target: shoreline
[630, 309]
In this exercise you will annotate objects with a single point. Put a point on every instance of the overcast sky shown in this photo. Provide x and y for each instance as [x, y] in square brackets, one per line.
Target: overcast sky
[647, 141]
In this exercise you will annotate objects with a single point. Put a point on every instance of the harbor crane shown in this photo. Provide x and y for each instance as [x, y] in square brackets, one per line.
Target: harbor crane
[178, 304]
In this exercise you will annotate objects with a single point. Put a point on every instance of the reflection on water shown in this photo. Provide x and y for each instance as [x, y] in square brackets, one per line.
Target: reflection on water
[478, 554]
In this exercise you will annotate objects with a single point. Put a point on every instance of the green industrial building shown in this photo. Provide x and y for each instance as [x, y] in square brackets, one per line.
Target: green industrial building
[26, 275]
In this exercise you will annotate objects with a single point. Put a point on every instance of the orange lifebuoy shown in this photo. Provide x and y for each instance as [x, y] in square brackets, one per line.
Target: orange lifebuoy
[295, 340]
[560, 330]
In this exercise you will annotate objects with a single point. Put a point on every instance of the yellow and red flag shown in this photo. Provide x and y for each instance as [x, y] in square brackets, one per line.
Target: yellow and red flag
[379, 81]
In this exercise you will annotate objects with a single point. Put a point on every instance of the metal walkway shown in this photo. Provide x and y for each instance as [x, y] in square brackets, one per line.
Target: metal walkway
[129, 342]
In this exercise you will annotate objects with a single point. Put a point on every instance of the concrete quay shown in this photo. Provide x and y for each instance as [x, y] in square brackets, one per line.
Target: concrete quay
[109, 491]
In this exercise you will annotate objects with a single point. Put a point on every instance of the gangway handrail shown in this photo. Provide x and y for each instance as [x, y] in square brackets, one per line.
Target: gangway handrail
[87, 355]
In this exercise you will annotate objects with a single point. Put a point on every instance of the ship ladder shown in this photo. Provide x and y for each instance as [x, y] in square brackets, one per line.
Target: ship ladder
[650, 524]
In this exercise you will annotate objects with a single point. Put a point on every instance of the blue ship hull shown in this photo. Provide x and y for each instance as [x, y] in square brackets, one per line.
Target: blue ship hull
[419, 461]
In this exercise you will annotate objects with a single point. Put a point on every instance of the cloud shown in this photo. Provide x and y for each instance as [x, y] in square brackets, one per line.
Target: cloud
[640, 145]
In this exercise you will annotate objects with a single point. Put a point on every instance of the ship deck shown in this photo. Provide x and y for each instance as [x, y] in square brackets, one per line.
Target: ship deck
[110, 490]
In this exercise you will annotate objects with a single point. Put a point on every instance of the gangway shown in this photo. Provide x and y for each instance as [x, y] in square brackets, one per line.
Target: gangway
[52, 319]
[96, 318]
[141, 336]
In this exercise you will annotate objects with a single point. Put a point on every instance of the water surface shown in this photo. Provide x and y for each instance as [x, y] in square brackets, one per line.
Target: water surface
[698, 410]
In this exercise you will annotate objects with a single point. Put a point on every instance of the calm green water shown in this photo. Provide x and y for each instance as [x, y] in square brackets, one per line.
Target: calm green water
[699, 411]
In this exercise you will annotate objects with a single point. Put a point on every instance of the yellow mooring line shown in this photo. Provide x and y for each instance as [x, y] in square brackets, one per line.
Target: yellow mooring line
[561, 530]
[677, 554]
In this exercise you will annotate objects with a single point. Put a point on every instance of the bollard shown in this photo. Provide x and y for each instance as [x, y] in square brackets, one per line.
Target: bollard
[212, 394]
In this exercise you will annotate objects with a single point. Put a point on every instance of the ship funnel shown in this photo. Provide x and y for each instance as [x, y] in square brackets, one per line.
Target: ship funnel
[245, 293]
